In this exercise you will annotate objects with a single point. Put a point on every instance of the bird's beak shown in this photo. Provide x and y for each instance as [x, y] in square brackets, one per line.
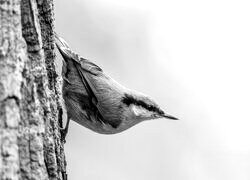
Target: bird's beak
[169, 117]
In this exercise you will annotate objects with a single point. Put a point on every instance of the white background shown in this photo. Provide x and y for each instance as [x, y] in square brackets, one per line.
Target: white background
[192, 57]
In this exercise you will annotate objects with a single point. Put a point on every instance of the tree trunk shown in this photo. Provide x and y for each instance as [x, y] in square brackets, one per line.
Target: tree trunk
[30, 143]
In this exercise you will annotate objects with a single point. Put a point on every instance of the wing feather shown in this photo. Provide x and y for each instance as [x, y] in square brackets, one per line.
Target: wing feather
[86, 69]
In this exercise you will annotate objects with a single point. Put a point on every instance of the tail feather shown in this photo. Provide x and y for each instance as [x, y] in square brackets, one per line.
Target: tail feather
[64, 49]
[60, 41]
[67, 54]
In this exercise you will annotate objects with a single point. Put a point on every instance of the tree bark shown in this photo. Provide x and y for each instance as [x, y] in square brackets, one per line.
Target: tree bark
[30, 106]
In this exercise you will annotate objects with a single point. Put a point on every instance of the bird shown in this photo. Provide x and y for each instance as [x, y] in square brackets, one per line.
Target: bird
[96, 101]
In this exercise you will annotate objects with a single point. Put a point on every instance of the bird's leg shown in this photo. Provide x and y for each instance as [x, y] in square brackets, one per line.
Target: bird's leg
[64, 131]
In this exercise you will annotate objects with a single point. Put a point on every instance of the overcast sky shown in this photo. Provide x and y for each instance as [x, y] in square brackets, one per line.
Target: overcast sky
[193, 58]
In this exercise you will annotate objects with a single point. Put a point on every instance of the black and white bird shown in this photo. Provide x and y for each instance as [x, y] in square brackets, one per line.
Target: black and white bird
[96, 101]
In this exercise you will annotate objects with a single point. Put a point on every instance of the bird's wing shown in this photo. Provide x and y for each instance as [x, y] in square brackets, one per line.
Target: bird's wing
[67, 54]
[91, 94]
[82, 65]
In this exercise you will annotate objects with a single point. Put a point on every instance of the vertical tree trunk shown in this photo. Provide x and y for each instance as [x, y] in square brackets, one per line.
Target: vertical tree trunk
[30, 145]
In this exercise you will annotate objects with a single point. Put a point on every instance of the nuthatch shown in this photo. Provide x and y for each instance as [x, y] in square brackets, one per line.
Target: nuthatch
[96, 101]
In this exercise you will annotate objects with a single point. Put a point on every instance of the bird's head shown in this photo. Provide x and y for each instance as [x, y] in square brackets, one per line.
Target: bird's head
[143, 107]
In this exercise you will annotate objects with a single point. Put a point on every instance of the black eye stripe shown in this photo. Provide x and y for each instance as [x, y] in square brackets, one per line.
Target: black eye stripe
[128, 100]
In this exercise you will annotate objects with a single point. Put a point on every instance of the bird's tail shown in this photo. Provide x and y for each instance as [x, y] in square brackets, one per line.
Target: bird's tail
[60, 42]
[63, 47]
[67, 54]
